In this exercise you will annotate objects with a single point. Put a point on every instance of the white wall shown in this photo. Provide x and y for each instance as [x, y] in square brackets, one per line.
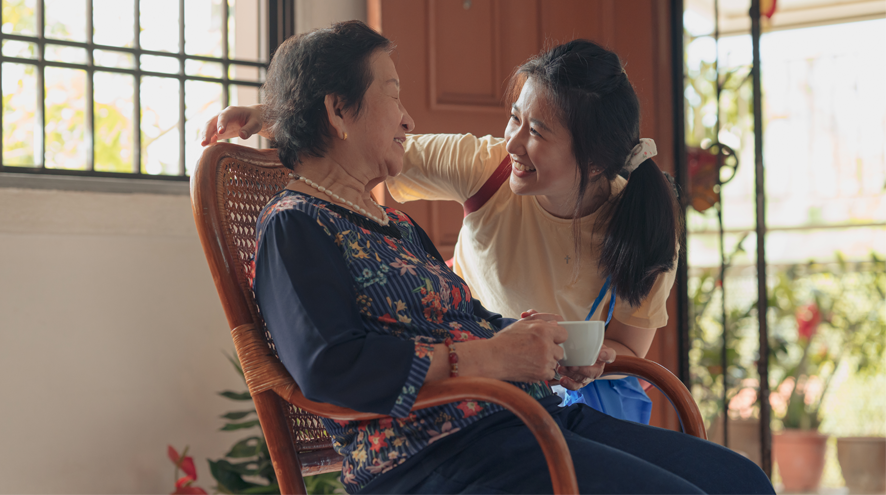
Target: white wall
[111, 343]
[111, 335]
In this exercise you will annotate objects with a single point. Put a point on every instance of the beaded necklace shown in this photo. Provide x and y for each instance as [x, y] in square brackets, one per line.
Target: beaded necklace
[384, 220]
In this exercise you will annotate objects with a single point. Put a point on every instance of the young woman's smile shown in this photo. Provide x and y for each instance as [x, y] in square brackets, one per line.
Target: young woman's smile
[543, 163]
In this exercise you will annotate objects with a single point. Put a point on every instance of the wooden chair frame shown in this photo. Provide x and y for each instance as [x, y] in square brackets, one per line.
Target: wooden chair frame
[228, 189]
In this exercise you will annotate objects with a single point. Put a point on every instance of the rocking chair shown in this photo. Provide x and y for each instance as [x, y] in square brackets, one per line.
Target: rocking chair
[229, 188]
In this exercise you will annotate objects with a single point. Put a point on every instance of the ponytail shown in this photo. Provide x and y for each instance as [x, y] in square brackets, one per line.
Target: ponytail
[641, 239]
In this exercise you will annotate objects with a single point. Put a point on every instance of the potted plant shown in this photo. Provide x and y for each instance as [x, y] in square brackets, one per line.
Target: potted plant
[836, 321]
[799, 448]
[862, 456]
[251, 458]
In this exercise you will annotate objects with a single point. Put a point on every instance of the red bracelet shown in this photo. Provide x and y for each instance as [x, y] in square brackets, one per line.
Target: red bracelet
[453, 358]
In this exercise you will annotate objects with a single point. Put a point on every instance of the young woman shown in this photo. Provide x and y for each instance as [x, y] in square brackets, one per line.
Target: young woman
[587, 213]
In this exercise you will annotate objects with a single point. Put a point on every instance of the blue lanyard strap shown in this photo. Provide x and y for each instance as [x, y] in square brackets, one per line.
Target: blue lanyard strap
[600, 298]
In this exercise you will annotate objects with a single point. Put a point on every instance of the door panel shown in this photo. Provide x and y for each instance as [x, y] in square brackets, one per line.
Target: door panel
[457, 79]
[454, 58]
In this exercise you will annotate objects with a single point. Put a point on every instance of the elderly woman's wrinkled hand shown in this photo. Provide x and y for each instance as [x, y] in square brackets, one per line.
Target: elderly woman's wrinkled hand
[528, 350]
[576, 377]
[233, 121]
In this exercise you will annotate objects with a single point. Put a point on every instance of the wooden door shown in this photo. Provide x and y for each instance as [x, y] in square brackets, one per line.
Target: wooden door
[454, 58]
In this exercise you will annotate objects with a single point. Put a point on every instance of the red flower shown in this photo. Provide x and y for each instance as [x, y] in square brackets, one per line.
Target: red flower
[767, 8]
[186, 463]
[433, 310]
[402, 217]
[183, 487]
[392, 244]
[173, 454]
[456, 296]
[808, 318]
[467, 292]
[462, 336]
[469, 408]
[387, 318]
[378, 441]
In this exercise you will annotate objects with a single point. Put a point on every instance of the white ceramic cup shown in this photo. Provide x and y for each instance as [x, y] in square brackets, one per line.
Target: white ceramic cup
[584, 342]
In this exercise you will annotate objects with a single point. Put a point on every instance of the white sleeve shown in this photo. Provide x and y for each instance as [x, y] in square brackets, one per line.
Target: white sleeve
[445, 166]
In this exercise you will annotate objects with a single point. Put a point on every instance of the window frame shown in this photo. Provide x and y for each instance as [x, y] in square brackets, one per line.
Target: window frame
[21, 173]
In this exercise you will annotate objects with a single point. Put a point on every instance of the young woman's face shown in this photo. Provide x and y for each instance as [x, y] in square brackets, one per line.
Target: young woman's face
[380, 129]
[541, 150]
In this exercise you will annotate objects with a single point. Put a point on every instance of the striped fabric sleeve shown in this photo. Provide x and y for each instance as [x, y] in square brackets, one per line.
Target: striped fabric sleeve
[421, 362]
[307, 297]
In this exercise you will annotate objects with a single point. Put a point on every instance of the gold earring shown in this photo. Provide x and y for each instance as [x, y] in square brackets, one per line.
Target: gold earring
[345, 138]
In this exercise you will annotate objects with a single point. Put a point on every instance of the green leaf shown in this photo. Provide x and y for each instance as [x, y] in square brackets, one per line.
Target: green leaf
[228, 479]
[238, 415]
[274, 488]
[247, 447]
[236, 395]
[326, 483]
[248, 468]
[240, 426]
[234, 360]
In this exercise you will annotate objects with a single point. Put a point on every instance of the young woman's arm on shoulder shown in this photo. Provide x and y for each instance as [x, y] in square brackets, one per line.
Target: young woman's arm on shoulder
[445, 166]
[235, 121]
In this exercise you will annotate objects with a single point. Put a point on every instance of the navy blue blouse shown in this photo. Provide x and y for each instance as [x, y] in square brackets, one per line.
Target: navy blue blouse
[354, 309]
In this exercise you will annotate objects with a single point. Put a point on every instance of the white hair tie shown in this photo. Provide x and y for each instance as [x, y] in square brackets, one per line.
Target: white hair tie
[642, 152]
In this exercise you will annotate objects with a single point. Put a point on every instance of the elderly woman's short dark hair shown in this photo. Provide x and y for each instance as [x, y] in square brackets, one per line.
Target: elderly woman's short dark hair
[306, 68]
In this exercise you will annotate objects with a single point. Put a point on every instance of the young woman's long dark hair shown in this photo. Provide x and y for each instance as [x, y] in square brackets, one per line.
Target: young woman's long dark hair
[590, 89]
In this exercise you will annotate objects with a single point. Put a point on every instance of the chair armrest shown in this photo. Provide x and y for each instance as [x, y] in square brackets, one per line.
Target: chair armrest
[536, 418]
[665, 381]
[263, 372]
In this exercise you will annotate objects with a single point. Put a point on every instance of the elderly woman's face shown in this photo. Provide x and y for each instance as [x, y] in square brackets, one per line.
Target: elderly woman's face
[381, 128]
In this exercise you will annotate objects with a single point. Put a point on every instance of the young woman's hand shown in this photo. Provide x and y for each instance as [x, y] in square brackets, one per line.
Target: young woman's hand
[576, 377]
[533, 314]
[241, 122]
[527, 351]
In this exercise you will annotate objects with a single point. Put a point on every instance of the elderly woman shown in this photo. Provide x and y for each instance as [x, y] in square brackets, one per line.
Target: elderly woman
[363, 310]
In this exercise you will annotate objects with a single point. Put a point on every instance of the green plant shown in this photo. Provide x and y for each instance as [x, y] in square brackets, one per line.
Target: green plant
[805, 350]
[706, 333]
[326, 483]
[250, 455]
[838, 316]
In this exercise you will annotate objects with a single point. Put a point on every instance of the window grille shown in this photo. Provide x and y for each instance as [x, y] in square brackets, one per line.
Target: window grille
[121, 88]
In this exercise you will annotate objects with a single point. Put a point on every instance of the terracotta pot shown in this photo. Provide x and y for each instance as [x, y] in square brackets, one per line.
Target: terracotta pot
[744, 436]
[800, 458]
[863, 461]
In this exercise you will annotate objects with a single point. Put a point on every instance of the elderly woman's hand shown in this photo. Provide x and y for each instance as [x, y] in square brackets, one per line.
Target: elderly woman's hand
[233, 121]
[576, 377]
[528, 350]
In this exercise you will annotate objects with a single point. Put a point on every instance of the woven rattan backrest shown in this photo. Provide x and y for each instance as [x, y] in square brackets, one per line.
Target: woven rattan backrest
[246, 181]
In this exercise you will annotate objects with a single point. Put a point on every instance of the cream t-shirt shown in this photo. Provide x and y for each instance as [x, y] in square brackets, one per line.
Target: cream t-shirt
[513, 254]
